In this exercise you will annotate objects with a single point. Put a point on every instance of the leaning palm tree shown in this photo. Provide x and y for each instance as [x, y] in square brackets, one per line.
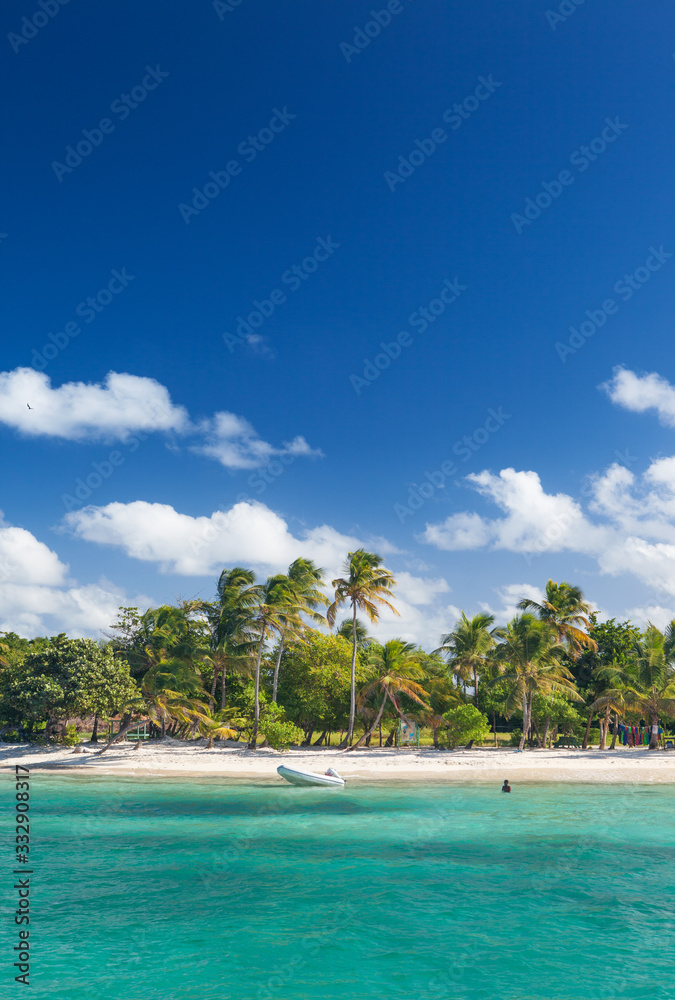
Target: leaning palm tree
[217, 726]
[529, 654]
[173, 693]
[303, 598]
[468, 646]
[565, 609]
[366, 585]
[395, 670]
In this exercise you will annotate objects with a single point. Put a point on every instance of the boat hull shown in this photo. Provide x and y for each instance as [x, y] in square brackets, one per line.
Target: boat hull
[309, 778]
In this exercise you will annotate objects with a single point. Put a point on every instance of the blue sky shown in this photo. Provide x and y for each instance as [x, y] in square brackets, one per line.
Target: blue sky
[348, 194]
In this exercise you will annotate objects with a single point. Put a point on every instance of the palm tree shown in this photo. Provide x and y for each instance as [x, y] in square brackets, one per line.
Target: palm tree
[530, 655]
[365, 585]
[173, 692]
[565, 609]
[652, 690]
[304, 596]
[345, 629]
[396, 671]
[615, 697]
[232, 634]
[468, 646]
[215, 726]
[275, 611]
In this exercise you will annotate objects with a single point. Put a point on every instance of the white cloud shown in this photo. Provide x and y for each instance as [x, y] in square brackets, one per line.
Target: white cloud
[653, 613]
[80, 611]
[418, 590]
[535, 521]
[38, 598]
[123, 405]
[423, 625]
[25, 560]
[250, 534]
[509, 596]
[640, 393]
[633, 530]
[459, 531]
[233, 442]
[78, 411]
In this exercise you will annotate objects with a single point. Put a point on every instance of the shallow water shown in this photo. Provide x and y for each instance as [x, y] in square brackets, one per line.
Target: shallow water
[155, 888]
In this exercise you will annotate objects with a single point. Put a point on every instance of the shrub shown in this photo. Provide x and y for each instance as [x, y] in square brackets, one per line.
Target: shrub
[594, 737]
[69, 737]
[465, 723]
[515, 737]
[281, 735]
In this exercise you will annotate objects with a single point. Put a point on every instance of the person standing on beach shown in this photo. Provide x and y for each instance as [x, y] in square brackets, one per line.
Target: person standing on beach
[506, 787]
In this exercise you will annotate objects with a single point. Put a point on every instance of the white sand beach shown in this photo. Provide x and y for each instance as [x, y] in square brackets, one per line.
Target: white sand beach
[176, 759]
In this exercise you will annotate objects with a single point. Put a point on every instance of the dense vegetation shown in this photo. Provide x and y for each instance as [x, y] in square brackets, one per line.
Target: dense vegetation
[270, 663]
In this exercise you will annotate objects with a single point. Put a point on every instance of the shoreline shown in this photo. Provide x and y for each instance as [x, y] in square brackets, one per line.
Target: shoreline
[378, 765]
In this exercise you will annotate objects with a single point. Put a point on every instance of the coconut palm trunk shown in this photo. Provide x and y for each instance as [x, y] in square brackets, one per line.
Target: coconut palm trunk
[374, 725]
[276, 670]
[366, 585]
[615, 732]
[122, 732]
[587, 734]
[256, 710]
[654, 734]
[352, 679]
[547, 726]
[526, 723]
[605, 729]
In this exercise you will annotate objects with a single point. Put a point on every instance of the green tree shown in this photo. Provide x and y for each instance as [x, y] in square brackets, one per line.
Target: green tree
[216, 726]
[314, 682]
[531, 660]
[650, 681]
[366, 586]
[597, 670]
[464, 723]
[67, 678]
[468, 646]
[174, 695]
[565, 609]
[553, 710]
[274, 611]
[346, 630]
[232, 635]
[395, 671]
[303, 598]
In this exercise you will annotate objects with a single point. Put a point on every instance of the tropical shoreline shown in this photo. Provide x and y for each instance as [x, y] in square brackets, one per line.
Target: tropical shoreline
[484, 764]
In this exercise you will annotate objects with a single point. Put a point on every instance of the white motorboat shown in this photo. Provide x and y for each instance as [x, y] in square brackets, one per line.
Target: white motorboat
[298, 777]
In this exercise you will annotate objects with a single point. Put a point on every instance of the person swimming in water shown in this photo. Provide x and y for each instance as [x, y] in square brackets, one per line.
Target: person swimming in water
[506, 787]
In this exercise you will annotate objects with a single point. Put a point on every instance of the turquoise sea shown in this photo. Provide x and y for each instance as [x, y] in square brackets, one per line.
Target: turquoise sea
[166, 890]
